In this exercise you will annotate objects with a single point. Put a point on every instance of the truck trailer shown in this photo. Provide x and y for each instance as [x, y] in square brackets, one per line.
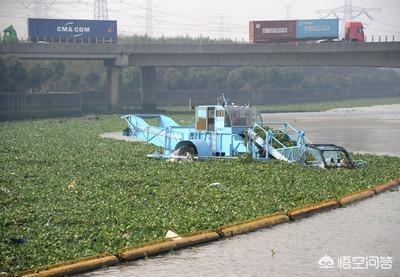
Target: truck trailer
[72, 30]
[303, 30]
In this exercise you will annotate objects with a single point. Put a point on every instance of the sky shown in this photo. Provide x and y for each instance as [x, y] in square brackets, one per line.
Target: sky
[207, 18]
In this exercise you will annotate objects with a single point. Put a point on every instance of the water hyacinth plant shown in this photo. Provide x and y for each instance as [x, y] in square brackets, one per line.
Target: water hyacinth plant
[67, 193]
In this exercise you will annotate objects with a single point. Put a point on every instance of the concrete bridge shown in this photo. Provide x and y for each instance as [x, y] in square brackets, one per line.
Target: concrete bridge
[150, 56]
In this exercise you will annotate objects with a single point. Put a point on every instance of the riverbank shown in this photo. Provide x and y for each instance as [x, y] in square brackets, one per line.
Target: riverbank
[325, 106]
[305, 107]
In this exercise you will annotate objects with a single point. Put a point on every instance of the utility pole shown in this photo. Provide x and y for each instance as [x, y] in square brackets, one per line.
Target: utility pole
[289, 6]
[221, 26]
[348, 11]
[100, 10]
[149, 18]
[37, 9]
[40, 9]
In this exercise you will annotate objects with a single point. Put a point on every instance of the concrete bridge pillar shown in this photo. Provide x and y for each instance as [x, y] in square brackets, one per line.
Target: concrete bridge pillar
[148, 90]
[113, 82]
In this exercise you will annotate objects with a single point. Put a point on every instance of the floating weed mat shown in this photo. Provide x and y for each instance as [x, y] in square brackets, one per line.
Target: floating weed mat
[66, 193]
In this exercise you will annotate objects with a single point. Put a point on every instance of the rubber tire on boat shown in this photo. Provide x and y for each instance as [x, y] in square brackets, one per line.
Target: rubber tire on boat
[187, 150]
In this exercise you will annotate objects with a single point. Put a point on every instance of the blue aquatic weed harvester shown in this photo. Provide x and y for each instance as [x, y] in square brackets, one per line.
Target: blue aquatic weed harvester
[226, 131]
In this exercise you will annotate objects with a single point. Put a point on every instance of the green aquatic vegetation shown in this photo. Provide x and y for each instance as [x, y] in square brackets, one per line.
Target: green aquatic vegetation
[66, 193]
[279, 135]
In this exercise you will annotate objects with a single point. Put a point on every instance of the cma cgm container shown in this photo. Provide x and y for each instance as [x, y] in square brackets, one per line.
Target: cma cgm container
[317, 29]
[272, 31]
[72, 30]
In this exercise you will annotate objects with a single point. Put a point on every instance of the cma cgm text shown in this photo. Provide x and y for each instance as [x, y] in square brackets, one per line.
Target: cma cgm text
[73, 29]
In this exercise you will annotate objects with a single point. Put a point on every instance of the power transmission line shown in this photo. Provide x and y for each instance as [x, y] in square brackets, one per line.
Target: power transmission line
[149, 18]
[40, 8]
[179, 15]
[348, 11]
[221, 27]
[100, 10]
[289, 7]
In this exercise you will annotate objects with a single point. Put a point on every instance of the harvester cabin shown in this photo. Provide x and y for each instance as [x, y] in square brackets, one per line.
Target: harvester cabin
[217, 118]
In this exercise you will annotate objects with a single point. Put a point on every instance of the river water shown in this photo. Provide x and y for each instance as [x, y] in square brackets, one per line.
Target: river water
[360, 240]
[368, 129]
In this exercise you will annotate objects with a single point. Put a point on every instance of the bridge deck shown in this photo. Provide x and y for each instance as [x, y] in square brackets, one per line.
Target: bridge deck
[378, 54]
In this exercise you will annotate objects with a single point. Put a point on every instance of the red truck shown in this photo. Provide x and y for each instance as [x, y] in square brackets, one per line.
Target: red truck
[303, 30]
[354, 31]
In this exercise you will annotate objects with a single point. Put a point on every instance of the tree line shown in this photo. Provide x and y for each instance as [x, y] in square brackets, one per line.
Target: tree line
[33, 77]
[20, 76]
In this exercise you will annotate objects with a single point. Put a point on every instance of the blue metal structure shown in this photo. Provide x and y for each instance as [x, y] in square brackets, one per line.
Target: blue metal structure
[222, 131]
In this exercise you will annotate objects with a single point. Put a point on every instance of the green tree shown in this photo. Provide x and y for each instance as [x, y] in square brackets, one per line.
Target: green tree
[53, 74]
[329, 81]
[73, 80]
[92, 79]
[13, 75]
[4, 76]
[217, 78]
[131, 77]
[244, 78]
[197, 78]
[18, 75]
[173, 79]
[36, 77]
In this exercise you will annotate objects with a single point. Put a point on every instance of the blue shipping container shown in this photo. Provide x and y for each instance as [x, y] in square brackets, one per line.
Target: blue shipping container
[79, 30]
[317, 29]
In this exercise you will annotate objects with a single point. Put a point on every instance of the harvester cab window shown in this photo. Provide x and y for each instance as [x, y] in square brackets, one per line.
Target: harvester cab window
[211, 119]
[220, 113]
[239, 116]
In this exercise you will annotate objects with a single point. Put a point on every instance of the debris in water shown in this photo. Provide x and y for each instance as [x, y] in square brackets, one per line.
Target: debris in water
[72, 184]
[20, 240]
[217, 185]
[172, 235]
